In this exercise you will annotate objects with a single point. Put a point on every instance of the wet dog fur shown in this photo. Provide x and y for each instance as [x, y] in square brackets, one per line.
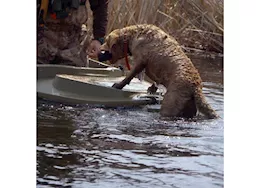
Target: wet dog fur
[164, 62]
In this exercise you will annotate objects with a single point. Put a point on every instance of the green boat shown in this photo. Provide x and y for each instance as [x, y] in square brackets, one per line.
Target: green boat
[91, 85]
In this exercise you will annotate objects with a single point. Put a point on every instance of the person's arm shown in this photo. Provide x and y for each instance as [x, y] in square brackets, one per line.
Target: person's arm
[100, 18]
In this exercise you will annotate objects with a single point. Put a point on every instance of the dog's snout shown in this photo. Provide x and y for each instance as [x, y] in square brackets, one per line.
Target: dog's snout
[104, 56]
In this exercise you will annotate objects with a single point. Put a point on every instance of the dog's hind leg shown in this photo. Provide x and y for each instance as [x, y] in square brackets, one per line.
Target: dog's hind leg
[153, 88]
[190, 109]
[176, 103]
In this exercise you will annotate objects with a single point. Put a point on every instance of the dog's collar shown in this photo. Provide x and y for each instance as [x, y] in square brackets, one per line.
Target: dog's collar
[126, 51]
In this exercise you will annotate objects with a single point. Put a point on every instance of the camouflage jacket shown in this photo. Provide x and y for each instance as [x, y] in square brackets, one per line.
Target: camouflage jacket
[61, 41]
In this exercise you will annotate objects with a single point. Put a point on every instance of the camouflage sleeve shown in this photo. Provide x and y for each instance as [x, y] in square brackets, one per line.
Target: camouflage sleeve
[100, 17]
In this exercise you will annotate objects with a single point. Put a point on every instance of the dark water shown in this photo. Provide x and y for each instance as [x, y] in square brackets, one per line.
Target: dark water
[96, 147]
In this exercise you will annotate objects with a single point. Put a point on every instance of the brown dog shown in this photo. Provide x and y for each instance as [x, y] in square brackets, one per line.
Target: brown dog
[165, 63]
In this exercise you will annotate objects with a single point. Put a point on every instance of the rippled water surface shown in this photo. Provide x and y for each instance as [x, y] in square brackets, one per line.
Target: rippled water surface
[81, 146]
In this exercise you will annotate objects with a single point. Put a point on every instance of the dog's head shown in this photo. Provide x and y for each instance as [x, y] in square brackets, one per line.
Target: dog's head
[113, 47]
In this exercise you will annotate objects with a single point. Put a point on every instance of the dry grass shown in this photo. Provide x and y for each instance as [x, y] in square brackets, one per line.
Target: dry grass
[196, 24]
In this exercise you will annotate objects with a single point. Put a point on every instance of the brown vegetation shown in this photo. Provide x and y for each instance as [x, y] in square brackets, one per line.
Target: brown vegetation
[196, 24]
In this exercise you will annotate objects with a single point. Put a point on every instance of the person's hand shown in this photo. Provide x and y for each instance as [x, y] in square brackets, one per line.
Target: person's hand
[94, 49]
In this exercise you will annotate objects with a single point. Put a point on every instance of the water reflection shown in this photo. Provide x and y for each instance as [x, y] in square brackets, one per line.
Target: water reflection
[54, 141]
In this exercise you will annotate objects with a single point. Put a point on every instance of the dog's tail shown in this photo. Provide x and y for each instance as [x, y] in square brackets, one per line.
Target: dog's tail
[203, 106]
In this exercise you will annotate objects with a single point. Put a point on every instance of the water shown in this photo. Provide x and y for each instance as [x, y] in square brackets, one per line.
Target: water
[80, 146]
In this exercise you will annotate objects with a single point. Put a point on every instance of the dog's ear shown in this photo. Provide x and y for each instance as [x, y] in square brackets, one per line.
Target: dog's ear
[112, 39]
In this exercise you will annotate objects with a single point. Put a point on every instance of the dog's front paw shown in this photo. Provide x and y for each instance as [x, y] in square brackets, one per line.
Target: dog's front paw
[152, 89]
[117, 86]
